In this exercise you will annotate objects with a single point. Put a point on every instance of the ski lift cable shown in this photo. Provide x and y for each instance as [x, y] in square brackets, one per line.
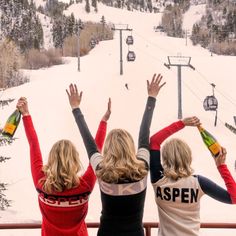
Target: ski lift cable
[204, 77]
[191, 90]
[150, 55]
[227, 98]
[152, 43]
[184, 83]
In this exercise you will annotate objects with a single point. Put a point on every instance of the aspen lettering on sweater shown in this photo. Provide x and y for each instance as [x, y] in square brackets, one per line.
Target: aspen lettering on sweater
[185, 195]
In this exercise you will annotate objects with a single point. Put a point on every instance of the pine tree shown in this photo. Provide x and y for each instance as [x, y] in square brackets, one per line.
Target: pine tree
[70, 25]
[149, 5]
[94, 3]
[4, 202]
[58, 33]
[87, 6]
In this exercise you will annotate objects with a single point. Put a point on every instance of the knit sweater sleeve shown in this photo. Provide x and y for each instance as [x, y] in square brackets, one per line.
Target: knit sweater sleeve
[88, 139]
[229, 181]
[144, 131]
[213, 190]
[158, 138]
[35, 152]
[101, 134]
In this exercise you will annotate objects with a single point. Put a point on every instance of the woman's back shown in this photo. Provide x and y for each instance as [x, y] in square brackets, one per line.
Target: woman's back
[122, 202]
[64, 212]
[178, 205]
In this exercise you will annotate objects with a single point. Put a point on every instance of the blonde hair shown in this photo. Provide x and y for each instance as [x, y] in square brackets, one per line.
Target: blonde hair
[176, 159]
[119, 159]
[62, 167]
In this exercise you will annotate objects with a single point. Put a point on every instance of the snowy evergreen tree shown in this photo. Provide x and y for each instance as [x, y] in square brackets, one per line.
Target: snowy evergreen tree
[4, 202]
[87, 6]
[58, 33]
[94, 4]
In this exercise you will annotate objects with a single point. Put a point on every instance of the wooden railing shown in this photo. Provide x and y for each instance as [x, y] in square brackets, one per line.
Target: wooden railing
[148, 226]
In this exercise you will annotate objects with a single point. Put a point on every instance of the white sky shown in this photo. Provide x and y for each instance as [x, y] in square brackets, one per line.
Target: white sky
[99, 79]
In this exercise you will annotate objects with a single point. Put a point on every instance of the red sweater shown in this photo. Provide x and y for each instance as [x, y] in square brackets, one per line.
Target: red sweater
[63, 213]
[229, 181]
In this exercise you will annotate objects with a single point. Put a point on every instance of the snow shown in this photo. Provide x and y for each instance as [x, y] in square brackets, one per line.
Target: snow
[193, 15]
[47, 30]
[99, 79]
[40, 3]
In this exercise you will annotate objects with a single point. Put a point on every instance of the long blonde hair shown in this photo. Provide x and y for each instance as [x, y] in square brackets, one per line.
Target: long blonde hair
[176, 159]
[119, 159]
[62, 167]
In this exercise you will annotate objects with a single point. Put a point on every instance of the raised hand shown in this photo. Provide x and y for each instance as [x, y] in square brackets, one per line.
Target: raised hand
[108, 111]
[155, 85]
[74, 97]
[191, 121]
[220, 159]
[22, 106]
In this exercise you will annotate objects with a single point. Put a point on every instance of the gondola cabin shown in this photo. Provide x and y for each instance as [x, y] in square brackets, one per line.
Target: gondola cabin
[131, 56]
[210, 103]
[92, 43]
[130, 40]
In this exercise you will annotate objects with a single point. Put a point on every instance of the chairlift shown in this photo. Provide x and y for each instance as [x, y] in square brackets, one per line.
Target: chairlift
[210, 103]
[92, 43]
[131, 56]
[130, 40]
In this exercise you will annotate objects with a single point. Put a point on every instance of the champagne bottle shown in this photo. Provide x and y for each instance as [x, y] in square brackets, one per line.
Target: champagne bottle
[210, 141]
[12, 124]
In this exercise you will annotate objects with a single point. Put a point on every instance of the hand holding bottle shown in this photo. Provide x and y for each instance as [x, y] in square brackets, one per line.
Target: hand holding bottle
[22, 106]
[13, 120]
[155, 85]
[74, 97]
[108, 112]
[191, 121]
[220, 160]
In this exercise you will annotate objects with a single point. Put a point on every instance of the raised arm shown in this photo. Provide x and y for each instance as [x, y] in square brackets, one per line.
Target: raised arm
[35, 152]
[153, 89]
[75, 100]
[101, 132]
[156, 169]
[226, 175]
[158, 138]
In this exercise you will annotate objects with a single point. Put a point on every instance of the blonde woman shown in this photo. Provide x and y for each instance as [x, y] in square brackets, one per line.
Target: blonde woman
[177, 191]
[122, 174]
[63, 194]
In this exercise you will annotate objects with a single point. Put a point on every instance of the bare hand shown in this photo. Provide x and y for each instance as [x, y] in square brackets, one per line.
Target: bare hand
[74, 97]
[191, 121]
[22, 106]
[108, 112]
[154, 87]
[220, 159]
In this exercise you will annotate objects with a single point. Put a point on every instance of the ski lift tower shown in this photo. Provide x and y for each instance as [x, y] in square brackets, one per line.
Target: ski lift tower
[179, 61]
[121, 28]
[80, 26]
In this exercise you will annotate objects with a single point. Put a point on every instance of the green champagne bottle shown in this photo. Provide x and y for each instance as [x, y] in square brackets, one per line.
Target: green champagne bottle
[12, 124]
[210, 141]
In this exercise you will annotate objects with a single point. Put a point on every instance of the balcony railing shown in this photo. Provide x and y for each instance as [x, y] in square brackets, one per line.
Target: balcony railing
[148, 226]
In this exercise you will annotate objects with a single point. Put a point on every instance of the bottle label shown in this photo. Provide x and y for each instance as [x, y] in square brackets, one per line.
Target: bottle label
[215, 149]
[9, 128]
